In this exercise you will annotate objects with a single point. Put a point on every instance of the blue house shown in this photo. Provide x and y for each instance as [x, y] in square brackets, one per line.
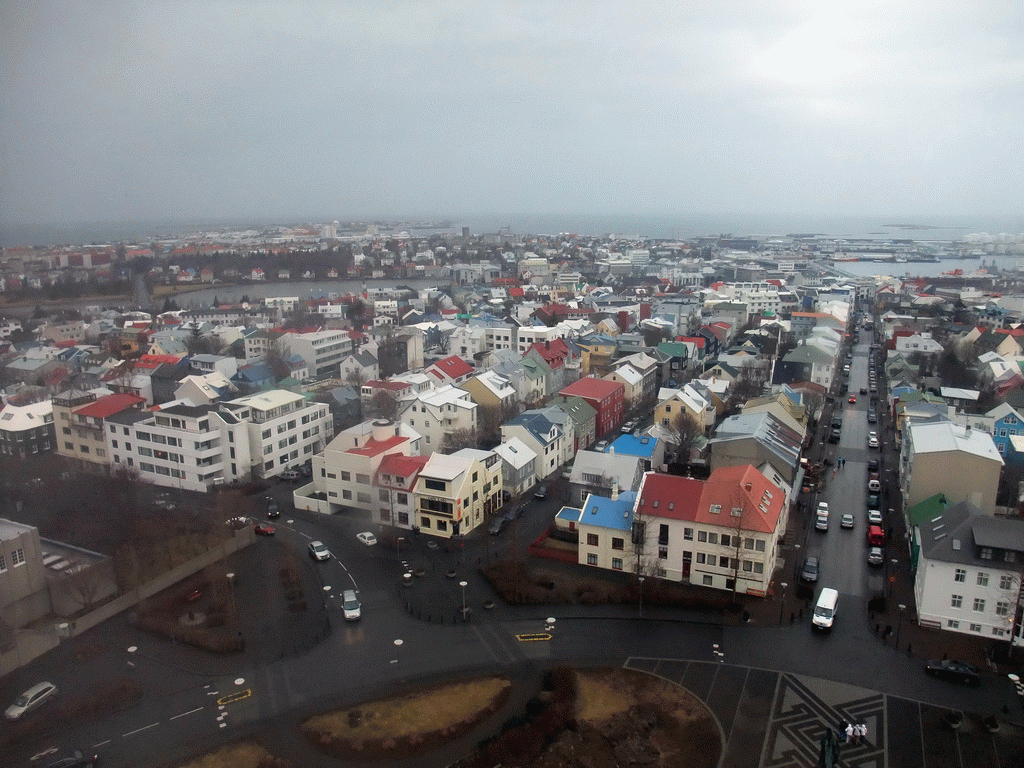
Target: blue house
[1006, 423]
[605, 531]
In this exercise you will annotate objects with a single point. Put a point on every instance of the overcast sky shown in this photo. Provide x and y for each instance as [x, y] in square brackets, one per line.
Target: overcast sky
[158, 110]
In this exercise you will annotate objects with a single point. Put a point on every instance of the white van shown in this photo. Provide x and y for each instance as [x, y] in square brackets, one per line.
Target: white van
[826, 608]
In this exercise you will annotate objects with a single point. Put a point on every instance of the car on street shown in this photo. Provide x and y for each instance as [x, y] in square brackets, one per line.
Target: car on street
[318, 551]
[872, 439]
[872, 465]
[809, 572]
[497, 525]
[367, 538]
[567, 473]
[872, 501]
[852, 400]
[954, 671]
[874, 517]
[821, 523]
[863, 390]
[872, 389]
[272, 509]
[875, 556]
[834, 435]
[874, 486]
[34, 697]
[541, 492]
[846, 521]
[601, 445]
[872, 419]
[350, 605]
[291, 476]
[264, 529]
[629, 426]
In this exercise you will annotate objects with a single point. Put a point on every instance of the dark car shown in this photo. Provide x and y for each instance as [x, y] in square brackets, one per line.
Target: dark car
[809, 572]
[954, 671]
[272, 509]
[863, 390]
[76, 760]
[871, 417]
[834, 436]
[872, 465]
[541, 492]
[497, 525]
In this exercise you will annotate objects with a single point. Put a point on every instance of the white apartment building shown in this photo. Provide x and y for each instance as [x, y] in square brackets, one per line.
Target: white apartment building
[346, 470]
[437, 413]
[323, 351]
[759, 297]
[199, 447]
[528, 336]
[284, 303]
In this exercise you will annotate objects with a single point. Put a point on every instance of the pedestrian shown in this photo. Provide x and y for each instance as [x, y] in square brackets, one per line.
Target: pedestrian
[849, 732]
[863, 732]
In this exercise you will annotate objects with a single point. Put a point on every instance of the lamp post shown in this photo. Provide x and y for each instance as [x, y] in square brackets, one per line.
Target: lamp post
[891, 579]
[641, 580]
[231, 589]
[398, 547]
[899, 624]
[463, 584]
[398, 649]
[782, 605]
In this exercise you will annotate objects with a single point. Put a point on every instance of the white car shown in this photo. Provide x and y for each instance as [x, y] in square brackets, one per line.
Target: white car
[874, 517]
[30, 699]
[872, 439]
[874, 486]
[823, 508]
[846, 521]
[367, 538]
[318, 551]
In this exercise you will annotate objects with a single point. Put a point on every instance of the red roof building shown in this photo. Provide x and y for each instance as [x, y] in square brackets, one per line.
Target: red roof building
[108, 405]
[604, 396]
[450, 370]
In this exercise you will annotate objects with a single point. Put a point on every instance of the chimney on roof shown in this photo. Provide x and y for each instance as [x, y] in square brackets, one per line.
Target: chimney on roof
[615, 490]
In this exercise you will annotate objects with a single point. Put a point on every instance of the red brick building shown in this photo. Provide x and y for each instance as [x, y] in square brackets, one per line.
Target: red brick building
[605, 397]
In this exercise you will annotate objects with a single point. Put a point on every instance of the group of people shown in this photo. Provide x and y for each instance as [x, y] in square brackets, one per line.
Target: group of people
[855, 732]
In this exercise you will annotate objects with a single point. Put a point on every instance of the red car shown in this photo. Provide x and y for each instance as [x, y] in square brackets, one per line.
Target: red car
[853, 399]
[263, 529]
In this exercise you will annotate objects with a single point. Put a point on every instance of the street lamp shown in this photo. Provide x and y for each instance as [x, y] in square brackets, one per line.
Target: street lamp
[398, 547]
[231, 588]
[463, 584]
[398, 648]
[782, 605]
[899, 625]
[641, 579]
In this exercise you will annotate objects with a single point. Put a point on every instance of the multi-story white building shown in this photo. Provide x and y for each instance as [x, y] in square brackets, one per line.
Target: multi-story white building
[199, 447]
[967, 574]
[545, 438]
[395, 482]
[323, 351]
[346, 470]
[437, 413]
[454, 494]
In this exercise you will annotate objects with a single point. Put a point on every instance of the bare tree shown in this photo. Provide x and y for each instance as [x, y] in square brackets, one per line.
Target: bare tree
[813, 402]
[83, 585]
[458, 439]
[685, 432]
[384, 406]
[276, 360]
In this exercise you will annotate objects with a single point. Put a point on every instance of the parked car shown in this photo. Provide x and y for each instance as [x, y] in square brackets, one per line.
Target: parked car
[809, 572]
[863, 390]
[601, 445]
[874, 486]
[834, 435]
[874, 517]
[630, 425]
[291, 476]
[272, 509]
[954, 671]
[821, 523]
[497, 525]
[875, 556]
[846, 521]
[872, 465]
[823, 508]
[872, 501]
[367, 538]
[541, 492]
[264, 529]
[872, 439]
[318, 551]
[34, 697]
[872, 419]
[567, 473]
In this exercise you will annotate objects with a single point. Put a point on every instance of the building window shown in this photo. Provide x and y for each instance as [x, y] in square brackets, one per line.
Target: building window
[1006, 581]
[402, 498]
[953, 624]
[712, 538]
[346, 495]
[3, 563]
[424, 522]
[712, 560]
[1002, 608]
[707, 581]
[701, 558]
[975, 627]
[618, 544]
[383, 495]
[985, 553]
[759, 567]
[960, 575]
[982, 579]
[18, 557]
[956, 601]
[592, 540]
[616, 563]
[663, 553]
[979, 605]
[688, 534]
[592, 559]
[726, 540]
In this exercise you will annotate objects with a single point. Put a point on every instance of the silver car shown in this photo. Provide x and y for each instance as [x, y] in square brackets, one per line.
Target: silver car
[30, 699]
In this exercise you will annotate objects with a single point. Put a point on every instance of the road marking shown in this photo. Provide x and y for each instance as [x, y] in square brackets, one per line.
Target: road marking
[231, 698]
[530, 638]
[100, 744]
[305, 534]
[191, 711]
[144, 728]
[41, 755]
